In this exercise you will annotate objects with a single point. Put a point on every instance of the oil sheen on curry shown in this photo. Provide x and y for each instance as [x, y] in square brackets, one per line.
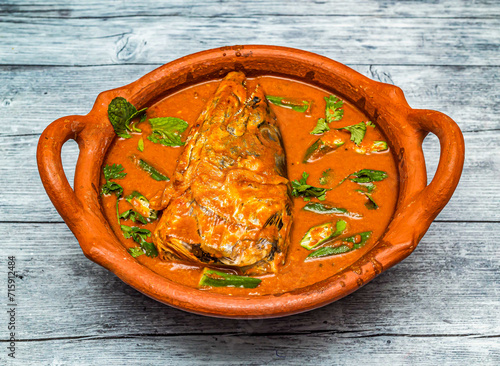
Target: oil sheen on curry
[247, 185]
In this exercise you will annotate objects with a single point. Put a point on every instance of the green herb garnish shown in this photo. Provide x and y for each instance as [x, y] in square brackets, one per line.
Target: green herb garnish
[366, 176]
[133, 216]
[167, 131]
[300, 188]
[296, 105]
[139, 236]
[333, 111]
[358, 242]
[114, 171]
[324, 208]
[148, 168]
[321, 127]
[370, 204]
[212, 278]
[140, 145]
[135, 251]
[357, 131]
[120, 114]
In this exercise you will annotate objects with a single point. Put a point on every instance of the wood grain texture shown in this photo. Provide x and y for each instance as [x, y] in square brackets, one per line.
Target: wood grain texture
[438, 306]
[473, 200]
[435, 290]
[312, 349]
[250, 9]
[352, 40]
[37, 96]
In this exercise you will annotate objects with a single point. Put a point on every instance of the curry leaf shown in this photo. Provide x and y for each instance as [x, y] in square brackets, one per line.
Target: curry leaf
[167, 131]
[296, 105]
[323, 208]
[366, 176]
[153, 173]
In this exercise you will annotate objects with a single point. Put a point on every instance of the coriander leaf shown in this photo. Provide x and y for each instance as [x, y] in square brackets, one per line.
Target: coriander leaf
[135, 251]
[149, 249]
[333, 111]
[321, 127]
[300, 188]
[120, 113]
[167, 131]
[296, 105]
[370, 124]
[111, 187]
[114, 171]
[357, 131]
[139, 236]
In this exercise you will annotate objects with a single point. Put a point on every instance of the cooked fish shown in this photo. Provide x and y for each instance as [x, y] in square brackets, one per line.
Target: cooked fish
[229, 201]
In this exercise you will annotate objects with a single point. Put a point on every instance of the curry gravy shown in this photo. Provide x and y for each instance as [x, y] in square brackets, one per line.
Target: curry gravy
[295, 129]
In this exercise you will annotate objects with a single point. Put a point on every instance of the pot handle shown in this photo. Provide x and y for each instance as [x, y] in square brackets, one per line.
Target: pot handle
[437, 194]
[51, 169]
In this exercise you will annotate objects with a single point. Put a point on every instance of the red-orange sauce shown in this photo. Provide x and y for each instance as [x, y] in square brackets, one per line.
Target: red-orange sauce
[295, 128]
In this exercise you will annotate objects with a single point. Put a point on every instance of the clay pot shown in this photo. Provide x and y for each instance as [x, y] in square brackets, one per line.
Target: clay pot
[384, 104]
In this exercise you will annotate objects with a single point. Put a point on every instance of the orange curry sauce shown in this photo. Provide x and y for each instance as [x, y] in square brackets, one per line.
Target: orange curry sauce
[295, 128]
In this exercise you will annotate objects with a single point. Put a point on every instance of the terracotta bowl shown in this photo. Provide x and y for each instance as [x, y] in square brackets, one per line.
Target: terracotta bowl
[384, 104]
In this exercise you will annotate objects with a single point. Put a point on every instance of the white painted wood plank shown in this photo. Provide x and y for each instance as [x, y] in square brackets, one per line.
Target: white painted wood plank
[352, 40]
[249, 9]
[476, 197]
[449, 287]
[32, 97]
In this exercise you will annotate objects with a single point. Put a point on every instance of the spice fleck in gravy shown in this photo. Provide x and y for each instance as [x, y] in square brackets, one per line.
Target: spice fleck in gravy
[295, 126]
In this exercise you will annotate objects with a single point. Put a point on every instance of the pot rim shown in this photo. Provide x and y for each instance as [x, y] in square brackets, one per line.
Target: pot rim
[417, 206]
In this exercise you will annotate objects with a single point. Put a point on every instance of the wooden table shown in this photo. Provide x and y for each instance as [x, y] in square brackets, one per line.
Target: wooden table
[439, 306]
